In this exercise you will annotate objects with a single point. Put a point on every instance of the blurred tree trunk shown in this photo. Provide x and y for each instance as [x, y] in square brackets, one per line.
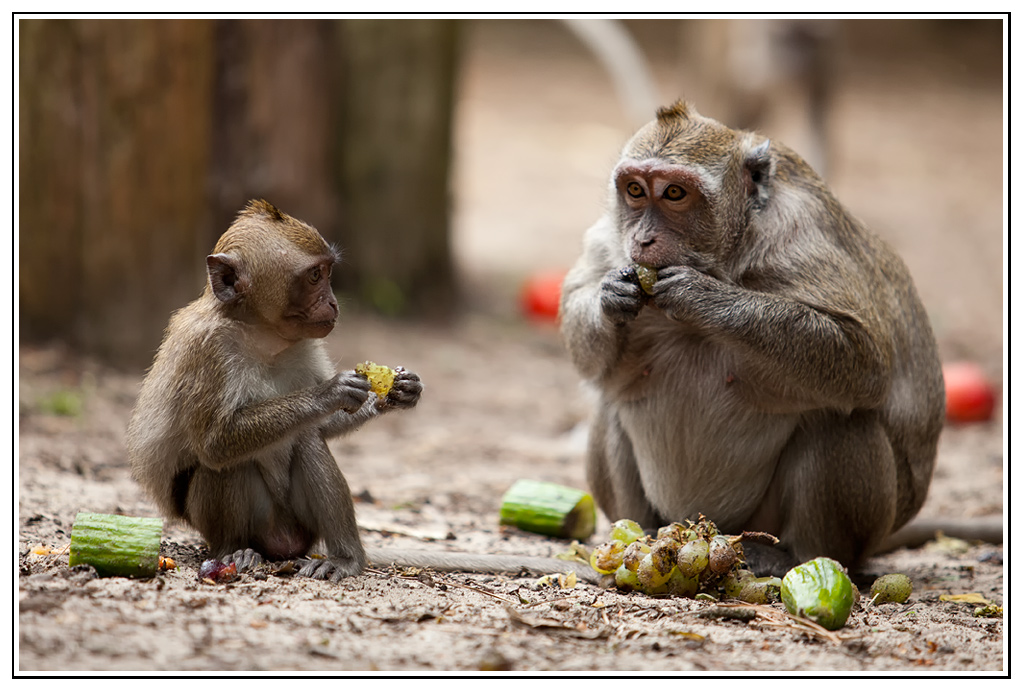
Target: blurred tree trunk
[274, 103]
[114, 144]
[141, 139]
[395, 137]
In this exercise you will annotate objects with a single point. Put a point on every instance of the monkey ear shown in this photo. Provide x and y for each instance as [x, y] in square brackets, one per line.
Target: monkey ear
[758, 169]
[228, 277]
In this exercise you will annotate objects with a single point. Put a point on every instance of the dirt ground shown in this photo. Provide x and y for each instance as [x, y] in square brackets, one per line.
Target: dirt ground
[917, 153]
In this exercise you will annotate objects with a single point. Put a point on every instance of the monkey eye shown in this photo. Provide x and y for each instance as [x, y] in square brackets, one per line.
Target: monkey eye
[674, 193]
[315, 274]
[635, 190]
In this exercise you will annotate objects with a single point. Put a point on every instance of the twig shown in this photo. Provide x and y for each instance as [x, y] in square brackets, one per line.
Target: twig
[550, 600]
[485, 592]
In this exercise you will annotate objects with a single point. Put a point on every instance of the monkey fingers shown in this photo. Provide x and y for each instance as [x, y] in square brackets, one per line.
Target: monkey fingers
[621, 296]
[243, 559]
[679, 289]
[351, 390]
[405, 391]
[323, 569]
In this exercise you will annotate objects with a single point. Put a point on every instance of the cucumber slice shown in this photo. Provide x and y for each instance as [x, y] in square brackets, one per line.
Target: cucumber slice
[117, 546]
[549, 509]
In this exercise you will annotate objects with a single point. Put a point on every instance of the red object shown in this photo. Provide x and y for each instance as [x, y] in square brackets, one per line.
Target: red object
[541, 296]
[969, 396]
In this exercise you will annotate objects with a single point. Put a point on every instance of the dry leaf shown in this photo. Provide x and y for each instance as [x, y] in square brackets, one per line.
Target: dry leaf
[966, 598]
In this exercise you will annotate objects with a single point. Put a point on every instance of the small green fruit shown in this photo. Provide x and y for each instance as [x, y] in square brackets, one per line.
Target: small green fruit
[626, 530]
[721, 555]
[891, 588]
[648, 573]
[607, 557]
[634, 552]
[692, 558]
[626, 579]
[648, 276]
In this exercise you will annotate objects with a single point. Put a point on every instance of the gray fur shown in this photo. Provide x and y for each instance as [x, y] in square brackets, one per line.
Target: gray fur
[783, 377]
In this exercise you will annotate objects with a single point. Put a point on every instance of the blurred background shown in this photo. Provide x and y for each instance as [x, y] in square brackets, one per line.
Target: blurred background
[454, 161]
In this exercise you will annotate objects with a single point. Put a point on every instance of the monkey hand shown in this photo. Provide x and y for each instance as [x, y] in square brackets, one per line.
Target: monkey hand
[348, 391]
[683, 293]
[621, 296]
[404, 393]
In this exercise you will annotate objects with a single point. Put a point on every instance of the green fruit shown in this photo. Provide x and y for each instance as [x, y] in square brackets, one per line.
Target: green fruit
[759, 590]
[635, 552]
[819, 590]
[626, 530]
[692, 558]
[626, 579]
[721, 555]
[607, 557]
[679, 584]
[891, 588]
[663, 552]
[648, 276]
[732, 583]
[674, 530]
[649, 575]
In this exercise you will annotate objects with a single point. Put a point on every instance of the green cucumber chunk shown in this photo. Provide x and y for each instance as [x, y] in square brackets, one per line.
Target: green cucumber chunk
[549, 509]
[117, 546]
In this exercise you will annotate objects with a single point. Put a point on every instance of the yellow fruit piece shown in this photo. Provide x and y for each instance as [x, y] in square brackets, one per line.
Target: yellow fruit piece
[381, 377]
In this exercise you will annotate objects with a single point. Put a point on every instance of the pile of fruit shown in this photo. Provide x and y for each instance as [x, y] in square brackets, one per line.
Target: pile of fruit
[681, 561]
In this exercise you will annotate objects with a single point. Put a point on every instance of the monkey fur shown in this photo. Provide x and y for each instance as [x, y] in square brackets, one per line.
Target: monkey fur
[781, 377]
[229, 431]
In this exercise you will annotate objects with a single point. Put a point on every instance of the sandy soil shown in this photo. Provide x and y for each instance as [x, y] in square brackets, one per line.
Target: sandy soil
[501, 403]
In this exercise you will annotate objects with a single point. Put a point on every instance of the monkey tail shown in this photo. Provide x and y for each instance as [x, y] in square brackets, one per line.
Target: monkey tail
[478, 563]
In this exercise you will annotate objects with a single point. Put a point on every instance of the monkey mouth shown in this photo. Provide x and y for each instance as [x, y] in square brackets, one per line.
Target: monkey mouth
[303, 329]
[324, 326]
[648, 260]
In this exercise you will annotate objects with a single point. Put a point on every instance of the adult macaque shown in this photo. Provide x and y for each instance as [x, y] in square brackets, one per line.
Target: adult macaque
[781, 376]
[230, 426]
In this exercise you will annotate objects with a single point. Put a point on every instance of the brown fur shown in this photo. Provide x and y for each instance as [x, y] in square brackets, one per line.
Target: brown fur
[783, 377]
[229, 431]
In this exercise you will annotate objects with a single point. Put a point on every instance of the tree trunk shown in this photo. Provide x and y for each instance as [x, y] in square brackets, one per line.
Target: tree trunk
[395, 131]
[141, 139]
[275, 99]
[114, 142]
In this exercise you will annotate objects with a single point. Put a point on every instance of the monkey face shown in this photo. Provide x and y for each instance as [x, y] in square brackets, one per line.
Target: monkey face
[663, 210]
[311, 308]
[686, 187]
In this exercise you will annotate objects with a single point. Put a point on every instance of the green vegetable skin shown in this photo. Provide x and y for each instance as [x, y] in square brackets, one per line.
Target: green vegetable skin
[115, 545]
[819, 590]
[549, 509]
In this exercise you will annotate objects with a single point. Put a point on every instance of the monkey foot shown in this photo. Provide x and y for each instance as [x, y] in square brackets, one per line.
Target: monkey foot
[243, 559]
[316, 568]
